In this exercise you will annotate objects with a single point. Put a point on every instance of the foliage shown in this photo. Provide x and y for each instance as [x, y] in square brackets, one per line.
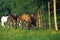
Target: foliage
[18, 6]
[29, 6]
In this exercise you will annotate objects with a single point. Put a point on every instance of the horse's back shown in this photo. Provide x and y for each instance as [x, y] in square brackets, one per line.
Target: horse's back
[4, 18]
[26, 17]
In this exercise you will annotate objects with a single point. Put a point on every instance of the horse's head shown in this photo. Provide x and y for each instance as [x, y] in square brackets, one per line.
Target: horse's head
[14, 15]
[6, 16]
[34, 19]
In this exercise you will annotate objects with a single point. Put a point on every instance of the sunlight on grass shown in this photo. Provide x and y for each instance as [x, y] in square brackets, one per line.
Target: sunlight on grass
[19, 34]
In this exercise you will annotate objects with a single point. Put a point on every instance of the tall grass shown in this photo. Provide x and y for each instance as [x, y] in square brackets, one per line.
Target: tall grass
[19, 34]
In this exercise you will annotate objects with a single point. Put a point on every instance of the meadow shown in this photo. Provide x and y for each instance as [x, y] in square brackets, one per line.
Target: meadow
[19, 34]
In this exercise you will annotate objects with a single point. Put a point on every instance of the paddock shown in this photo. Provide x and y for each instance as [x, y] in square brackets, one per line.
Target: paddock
[30, 20]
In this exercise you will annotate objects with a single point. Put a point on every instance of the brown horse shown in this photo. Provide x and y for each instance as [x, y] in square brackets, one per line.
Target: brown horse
[26, 20]
[34, 19]
[12, 20]
[19, 21]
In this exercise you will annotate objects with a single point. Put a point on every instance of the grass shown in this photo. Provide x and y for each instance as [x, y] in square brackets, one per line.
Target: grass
[19, 34]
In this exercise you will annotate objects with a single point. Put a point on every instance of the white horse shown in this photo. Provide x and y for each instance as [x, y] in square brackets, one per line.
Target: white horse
[3, 20]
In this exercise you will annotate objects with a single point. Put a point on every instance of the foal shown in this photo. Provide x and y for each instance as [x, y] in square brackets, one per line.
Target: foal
[3, 20]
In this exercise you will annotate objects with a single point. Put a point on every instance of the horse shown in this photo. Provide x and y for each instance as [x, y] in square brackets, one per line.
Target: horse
[3, 20]
[12, 20]
[19, 21]
[26, 20]
[34, 19]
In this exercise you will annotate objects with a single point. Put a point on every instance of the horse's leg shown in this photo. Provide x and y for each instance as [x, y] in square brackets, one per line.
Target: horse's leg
[20, 24]
[17, 24]
[11, 24]
[8, 26]
[3, 24]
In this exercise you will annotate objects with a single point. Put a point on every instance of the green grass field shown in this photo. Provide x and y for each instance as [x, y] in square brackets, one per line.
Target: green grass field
[19, 34]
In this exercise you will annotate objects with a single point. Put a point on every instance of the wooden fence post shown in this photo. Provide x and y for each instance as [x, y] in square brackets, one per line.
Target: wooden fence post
[38, 19]
[49, 15]
[55, 18]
